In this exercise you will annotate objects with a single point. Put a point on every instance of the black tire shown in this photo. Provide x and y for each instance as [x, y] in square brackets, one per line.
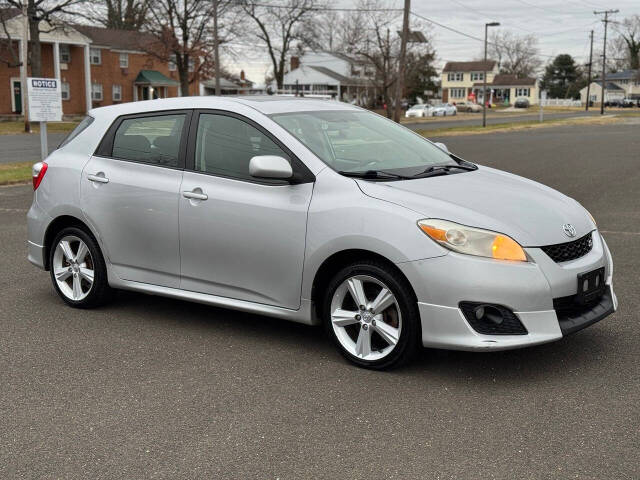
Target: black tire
[411, 331]
[100, 292]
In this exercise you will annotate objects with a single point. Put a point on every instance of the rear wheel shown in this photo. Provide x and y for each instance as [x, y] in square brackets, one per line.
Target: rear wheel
[371, 315]
[77, 268]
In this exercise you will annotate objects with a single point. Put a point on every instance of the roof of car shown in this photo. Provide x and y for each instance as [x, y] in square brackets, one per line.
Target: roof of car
[267, 104]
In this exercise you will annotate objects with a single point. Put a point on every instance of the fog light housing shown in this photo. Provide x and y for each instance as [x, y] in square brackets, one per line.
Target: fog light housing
[492, 319]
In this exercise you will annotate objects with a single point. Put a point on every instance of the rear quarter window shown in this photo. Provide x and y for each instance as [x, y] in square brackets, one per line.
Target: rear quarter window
[86, 121]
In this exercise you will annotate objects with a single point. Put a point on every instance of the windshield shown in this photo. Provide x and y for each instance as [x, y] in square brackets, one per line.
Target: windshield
[354, 141]
[417, 107]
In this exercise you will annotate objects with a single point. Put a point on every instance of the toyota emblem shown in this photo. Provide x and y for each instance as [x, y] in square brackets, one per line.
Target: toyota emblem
[569, 230]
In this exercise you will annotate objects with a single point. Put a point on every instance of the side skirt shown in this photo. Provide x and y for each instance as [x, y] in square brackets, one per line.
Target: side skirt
[302, 315]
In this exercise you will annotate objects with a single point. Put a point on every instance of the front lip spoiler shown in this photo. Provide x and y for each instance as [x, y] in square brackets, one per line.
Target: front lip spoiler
[604, 308]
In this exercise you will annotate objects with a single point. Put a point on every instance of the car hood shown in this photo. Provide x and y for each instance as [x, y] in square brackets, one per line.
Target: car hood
[529, 212]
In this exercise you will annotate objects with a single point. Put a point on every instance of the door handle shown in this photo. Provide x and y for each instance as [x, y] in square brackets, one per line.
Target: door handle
[98, 178]
[195, 195]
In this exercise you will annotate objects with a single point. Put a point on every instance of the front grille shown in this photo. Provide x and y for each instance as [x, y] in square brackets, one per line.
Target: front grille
[563, 252]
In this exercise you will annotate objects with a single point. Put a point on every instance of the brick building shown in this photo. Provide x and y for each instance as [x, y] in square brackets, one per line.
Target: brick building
[96, 66]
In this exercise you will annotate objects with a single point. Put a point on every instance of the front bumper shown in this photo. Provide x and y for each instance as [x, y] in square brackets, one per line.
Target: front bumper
[528, 289]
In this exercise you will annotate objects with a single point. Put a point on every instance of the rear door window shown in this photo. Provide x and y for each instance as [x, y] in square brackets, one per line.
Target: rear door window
[150, 139]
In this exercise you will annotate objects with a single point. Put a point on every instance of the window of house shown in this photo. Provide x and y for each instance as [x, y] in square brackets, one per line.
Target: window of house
[95, 55]
[154, 140]
[457, 92]
[173, 64]
[192, 64]
[477, 76]
[522, 92]
[116, 93]
[225, 145]
[65, 91]
[455, 76]
[65, 53]
[96, 92]
[124, 60]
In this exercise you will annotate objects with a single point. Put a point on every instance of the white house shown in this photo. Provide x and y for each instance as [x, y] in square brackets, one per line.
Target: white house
[611, 92]
[329, 73]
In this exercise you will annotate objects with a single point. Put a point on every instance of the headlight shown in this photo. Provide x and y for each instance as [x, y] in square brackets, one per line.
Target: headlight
[473, 241]
[591, 217]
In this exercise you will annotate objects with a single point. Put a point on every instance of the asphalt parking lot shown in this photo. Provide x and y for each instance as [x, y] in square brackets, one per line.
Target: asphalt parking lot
[157, 388]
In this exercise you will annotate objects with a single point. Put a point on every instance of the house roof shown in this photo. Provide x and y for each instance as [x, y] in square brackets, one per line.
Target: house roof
[475, 66]
[348, 58]
[225, 84]
[330, 73]
[512, 80]
[8, 13]
[624, 75]
[121, 39]
[610, 85]
[154, 78]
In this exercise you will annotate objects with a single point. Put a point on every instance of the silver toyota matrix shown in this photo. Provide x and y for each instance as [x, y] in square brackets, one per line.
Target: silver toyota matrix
[317, 212]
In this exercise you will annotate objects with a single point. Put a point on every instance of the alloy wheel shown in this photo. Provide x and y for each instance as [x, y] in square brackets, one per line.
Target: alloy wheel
[73, 268]
[366, 318]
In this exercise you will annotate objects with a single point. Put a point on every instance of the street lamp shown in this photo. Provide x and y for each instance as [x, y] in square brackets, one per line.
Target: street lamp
[484, 76]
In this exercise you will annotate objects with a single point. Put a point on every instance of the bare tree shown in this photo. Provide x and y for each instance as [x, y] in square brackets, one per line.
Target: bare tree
[44, 16]
[181, 28]
[280, 25]
[120, 14]
[515, 54]
[380, 46]
[9, 54]
[628, 41]
[336, 31]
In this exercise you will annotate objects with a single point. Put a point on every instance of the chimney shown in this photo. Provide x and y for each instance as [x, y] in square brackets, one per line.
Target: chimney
[295, 62]
[242, 75]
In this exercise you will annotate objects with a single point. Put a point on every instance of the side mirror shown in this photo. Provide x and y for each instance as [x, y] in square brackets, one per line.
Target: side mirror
[441, 146]
[270, 166]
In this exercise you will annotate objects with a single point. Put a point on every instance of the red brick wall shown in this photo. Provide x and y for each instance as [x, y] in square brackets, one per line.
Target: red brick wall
[5, 77]
[107, 73]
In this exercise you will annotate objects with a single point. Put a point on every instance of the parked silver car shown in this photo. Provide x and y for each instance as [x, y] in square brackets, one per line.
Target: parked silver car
[419, 110]
[444, 109]
[316, 212]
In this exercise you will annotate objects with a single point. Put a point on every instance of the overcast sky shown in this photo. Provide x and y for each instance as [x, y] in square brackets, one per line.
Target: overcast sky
[561, 27]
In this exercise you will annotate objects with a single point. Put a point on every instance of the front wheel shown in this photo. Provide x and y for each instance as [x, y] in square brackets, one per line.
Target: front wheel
[371, 315]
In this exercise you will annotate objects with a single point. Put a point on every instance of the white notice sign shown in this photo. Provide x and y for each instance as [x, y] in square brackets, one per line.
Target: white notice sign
[45, 99]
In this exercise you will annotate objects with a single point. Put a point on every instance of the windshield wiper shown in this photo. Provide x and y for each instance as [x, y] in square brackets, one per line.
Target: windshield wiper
[435, 170]
[374, 174]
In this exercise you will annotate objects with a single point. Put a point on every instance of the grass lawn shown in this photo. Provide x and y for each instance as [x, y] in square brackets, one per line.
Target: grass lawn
[15, 172]
[8, 128]
[514, 126]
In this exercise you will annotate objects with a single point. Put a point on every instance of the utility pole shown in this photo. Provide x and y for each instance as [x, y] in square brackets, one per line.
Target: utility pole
[401, 60]
[484, 75]
[589, 74]
[604, 54]
[216, 46]
[25, 64]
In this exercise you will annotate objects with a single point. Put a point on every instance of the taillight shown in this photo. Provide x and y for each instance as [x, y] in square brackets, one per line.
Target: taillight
[38, 171]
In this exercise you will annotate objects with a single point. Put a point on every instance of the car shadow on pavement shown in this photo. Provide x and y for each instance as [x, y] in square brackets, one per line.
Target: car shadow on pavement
[557, 359]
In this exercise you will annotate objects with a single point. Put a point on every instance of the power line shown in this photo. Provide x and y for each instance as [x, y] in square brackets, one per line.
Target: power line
[465, 34]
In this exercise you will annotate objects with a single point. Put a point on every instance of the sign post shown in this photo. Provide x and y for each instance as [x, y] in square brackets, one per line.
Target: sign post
[45, 105]
[543, 97]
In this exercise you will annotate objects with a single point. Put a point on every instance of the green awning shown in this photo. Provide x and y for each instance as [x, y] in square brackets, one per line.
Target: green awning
[155, 79]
